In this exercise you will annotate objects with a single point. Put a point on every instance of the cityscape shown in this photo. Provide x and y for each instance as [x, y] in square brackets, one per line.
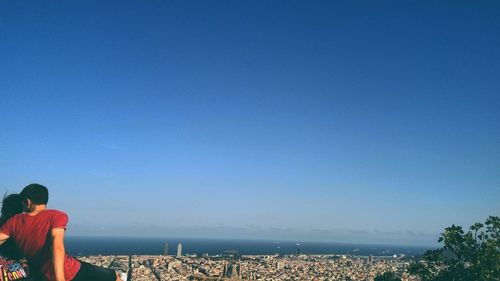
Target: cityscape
[250, 140]
[232, 266]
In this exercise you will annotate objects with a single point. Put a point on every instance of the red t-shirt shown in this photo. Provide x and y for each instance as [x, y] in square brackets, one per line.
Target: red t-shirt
[31, 234]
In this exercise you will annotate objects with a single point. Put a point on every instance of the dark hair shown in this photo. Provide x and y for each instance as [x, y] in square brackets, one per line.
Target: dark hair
[37, 193]
[11, 205]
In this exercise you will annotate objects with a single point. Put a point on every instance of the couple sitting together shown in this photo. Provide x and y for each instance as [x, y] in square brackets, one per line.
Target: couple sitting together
[31, 231]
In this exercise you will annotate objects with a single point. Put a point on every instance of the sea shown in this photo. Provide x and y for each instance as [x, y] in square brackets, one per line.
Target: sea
[85, 246]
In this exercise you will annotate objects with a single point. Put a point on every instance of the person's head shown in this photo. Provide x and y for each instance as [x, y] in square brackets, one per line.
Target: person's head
[11, 205]
[34, 194]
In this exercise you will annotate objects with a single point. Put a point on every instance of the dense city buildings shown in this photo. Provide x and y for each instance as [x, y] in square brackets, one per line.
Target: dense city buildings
[235, 267]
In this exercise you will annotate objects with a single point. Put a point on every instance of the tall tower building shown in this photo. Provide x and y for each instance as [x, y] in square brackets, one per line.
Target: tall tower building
[179, 250]
[239, 269]
[165, 249]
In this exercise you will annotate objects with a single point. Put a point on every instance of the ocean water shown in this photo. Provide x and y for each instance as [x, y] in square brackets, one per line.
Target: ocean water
[155, 246]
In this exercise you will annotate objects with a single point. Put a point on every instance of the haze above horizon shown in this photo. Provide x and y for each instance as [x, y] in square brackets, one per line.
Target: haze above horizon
[268, 119]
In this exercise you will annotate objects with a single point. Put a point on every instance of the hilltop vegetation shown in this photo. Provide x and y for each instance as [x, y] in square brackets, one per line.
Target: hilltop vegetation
[472, 255]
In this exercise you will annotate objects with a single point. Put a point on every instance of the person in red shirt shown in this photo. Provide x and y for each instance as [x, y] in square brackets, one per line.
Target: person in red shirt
[39, 235]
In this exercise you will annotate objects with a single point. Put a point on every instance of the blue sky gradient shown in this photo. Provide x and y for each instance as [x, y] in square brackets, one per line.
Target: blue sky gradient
[335, 116]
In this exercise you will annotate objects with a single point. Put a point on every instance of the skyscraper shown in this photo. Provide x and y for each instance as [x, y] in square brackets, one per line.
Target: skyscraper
[165, 249]
[179, 250]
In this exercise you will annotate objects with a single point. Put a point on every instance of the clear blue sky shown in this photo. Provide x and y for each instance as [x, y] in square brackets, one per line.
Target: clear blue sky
[265, 119]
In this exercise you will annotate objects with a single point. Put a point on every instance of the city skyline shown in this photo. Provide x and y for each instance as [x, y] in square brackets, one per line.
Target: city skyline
[276, 120]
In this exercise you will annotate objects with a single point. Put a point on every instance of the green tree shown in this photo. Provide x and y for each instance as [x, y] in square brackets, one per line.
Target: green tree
[387, 276]
[465, 256]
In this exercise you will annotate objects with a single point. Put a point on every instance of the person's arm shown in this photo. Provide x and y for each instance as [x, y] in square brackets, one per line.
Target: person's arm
[3, 238]
[58, 252]
[5, 231]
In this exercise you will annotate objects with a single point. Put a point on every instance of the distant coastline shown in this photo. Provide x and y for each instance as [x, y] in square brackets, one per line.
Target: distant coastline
[79, 245]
